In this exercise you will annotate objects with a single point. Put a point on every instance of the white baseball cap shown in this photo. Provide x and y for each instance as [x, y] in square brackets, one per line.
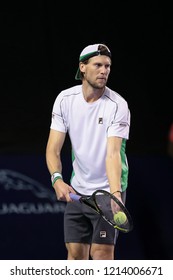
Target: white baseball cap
[90, 51]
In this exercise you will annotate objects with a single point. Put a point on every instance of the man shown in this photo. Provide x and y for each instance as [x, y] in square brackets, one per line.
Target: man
[97, 120]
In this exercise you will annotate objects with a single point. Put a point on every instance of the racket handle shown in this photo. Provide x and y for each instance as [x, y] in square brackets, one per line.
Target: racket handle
[74, 196]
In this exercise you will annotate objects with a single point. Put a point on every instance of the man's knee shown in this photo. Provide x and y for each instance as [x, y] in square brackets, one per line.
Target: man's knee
[102, 252]
[77, 251]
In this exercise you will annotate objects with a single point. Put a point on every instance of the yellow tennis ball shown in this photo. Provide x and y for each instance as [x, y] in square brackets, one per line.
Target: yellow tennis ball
[120, 218]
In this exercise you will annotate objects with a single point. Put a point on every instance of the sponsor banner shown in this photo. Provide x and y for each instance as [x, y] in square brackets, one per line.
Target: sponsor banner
[31, 217]
[22, 194]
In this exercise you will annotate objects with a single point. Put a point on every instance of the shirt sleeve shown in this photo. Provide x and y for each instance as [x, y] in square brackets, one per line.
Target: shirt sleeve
[58, 119]
[120, 122]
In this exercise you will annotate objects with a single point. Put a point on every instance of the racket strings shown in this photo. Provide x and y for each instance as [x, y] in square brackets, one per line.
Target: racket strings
[110, 208]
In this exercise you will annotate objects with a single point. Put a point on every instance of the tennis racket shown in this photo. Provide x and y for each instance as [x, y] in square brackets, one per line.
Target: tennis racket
[109, 207]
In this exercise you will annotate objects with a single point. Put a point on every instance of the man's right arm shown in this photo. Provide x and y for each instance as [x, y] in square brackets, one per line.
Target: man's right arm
[53, 159]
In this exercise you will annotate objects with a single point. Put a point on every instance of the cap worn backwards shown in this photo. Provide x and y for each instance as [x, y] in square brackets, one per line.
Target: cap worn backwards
[90, 51]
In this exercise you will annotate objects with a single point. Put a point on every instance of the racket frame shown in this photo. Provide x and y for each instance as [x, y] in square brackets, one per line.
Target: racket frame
[91, 202]
[123, 209]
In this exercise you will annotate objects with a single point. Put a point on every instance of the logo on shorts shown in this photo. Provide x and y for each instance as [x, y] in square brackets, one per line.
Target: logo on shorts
[102, 234]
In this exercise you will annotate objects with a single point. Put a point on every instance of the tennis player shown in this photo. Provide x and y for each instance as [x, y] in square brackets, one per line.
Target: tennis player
[97, 120]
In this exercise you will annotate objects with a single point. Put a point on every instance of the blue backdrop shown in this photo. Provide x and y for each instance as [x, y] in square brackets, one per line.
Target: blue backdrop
[32, 219]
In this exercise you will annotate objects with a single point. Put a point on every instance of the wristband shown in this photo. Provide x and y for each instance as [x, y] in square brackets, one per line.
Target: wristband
[54, 175]
[56, 178]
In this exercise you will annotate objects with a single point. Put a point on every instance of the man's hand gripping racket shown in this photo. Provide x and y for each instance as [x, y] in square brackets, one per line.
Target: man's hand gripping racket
[109, 207]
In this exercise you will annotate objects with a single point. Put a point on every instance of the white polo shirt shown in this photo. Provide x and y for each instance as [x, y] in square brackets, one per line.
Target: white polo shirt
[89, 125]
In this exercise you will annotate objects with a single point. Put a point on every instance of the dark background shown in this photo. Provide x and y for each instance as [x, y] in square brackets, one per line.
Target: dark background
[41, 43]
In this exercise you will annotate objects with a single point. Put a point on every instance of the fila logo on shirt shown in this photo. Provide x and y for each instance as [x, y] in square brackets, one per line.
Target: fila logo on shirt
[100, 121]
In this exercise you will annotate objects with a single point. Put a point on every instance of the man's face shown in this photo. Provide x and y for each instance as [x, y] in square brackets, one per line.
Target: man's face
[96, 71]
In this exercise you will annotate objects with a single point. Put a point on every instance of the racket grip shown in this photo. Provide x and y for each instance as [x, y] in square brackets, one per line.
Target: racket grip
[74, 196]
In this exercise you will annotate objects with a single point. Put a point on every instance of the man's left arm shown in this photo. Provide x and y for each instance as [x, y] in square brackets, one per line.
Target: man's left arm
[114, 165]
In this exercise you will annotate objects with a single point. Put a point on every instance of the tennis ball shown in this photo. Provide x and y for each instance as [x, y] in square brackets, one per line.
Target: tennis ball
[120, 218]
